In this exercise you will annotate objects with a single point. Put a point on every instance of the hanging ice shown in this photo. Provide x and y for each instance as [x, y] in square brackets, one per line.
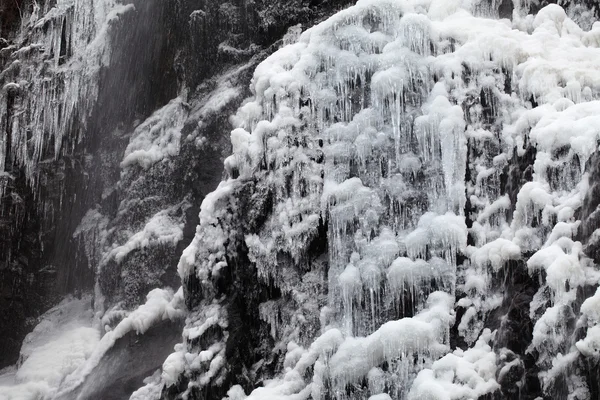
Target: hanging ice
[395, 124]
[51, 85]
[396, 165]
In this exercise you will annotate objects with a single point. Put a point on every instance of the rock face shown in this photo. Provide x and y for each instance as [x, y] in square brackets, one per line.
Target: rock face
[83, 173]
[63, 100]
[405, 207]
[406, 193]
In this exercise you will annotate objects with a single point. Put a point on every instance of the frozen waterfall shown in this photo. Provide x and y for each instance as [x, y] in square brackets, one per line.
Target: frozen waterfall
[396, 124]
[408, 211]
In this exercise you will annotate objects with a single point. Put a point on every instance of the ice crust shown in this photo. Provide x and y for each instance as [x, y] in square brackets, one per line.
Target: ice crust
[395, 123]
[392, 125]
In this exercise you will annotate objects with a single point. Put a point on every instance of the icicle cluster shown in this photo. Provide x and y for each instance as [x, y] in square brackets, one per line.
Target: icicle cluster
[50, 81]
[439, 150]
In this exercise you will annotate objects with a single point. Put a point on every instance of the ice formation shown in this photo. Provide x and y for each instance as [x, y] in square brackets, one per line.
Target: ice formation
[51, 81]
[394, 126]
[396, 165]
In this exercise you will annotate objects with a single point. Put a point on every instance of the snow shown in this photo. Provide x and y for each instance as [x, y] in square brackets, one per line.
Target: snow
[157, 137]
[496, 253]
[172, 368]
[403, 127]
[459, 375]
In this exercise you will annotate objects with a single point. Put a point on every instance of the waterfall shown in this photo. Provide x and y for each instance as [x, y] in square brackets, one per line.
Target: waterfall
[389, 135]
[397, 200]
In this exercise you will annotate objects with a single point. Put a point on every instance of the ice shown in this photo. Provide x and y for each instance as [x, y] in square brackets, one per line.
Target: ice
[591, 308]
[590, 345]
[54, 360]
[577, 126]
[443, 235]
[151, 390]
[459, 375]
[213, 235]
[51, 71]
[236, 393]
[496, 253]
[350, 200]
[564, 270]
[29, 391]
[552, 15]
[92, 232]
[563, 229]
[158, 137]
[213, 315]
[561, 366]
[499, 205]
[441, 130]
[439, 149]
[425, 333]
[351, 284]
[532, 200]
[161, 304]
[210, 359]
[381, 396]
[412, 277]
[415, 31]
[567, 271]
[324, 346]
[162, 228]
[550, 332]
